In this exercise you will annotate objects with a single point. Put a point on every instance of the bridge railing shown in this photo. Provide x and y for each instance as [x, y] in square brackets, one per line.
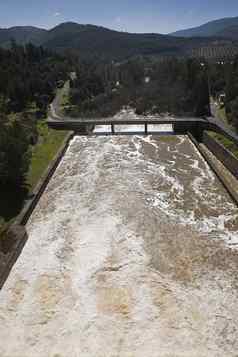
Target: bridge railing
[180, 126]
[87, 126]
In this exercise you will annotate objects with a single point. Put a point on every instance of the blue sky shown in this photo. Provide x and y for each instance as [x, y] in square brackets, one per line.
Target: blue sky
[161, 16]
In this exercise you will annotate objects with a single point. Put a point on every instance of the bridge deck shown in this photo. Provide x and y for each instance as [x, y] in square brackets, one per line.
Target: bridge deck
[180, 125]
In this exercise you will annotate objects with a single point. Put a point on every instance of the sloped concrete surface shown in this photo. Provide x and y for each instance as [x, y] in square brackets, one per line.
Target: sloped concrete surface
[131, 253]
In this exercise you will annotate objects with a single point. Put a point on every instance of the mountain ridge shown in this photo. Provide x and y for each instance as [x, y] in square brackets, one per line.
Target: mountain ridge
[96, 41]
[212, 28]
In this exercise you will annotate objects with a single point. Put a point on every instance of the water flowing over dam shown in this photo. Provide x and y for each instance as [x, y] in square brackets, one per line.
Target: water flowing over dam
[132, 252]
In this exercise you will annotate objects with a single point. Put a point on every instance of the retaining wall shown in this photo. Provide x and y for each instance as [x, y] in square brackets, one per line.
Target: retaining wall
[11, 247]
[224, 175]
[25, 214]
[224, 155]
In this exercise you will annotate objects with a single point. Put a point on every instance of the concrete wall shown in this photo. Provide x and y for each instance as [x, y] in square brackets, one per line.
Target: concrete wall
[225, 156]
[229, 181]
[16, 235]
[11, 249]
[43, 182]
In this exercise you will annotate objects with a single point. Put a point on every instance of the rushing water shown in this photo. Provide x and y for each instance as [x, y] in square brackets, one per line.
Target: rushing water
[158, 128]
[132, 251]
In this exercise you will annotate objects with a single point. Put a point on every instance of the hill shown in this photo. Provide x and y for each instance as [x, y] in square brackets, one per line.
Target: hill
[226, 27]
[96, 41]
[100, 41]
[230, 32]
[22, 35]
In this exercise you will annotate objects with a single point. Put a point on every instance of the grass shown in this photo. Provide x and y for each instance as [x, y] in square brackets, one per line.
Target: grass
[227, 143]
[48, 146]
[42, 154]
[221, 113]
[65, 100]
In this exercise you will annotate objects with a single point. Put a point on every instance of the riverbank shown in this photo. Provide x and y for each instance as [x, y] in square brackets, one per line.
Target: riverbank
[49, 142]
[228, 144]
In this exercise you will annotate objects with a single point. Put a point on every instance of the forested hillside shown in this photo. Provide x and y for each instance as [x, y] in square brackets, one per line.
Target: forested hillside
[175, 86]
[28, 74]
[22, 35]
[224, 80]
[231, 91]
[90, 41]
[28, 78]
[222, 52]
[212, 28]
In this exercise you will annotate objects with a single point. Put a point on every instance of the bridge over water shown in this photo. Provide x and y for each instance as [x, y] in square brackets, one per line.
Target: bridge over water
[132, 251]
[144, 125]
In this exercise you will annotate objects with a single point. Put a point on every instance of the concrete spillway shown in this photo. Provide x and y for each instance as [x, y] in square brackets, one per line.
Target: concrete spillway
[131, 253]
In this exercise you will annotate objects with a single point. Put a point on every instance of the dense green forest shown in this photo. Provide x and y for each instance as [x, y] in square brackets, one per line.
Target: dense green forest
[224, 79]
[174, 86]
[29, 76]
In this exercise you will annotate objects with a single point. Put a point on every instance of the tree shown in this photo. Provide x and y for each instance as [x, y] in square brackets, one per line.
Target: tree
[202, 107]
[233, 114]
[15, 152]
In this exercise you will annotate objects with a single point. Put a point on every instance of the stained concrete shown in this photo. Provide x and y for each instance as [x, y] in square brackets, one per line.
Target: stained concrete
[132, 251]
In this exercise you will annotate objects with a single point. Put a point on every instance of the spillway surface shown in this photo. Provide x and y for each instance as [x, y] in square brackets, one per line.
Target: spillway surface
[131, 253]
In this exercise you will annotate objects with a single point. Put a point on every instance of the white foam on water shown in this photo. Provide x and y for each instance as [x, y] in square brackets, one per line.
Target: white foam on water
[102, 129]
[129, 128]
[160, 128]
[84, 284]
[202, 185]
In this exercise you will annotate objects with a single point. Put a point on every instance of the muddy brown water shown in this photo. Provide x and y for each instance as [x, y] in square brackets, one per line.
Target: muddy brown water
[132, 251]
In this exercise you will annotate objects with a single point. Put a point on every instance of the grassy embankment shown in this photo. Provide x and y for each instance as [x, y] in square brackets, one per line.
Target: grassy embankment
[49, 143]
[221, 113]
[42, 154]
[228, 144]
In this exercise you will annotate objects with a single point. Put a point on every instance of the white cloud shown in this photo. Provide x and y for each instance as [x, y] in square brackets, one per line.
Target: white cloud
[56, 14]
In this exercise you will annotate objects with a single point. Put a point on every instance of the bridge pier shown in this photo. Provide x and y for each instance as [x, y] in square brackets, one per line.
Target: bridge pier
[180, 128]
[196, 129]
[146, 128]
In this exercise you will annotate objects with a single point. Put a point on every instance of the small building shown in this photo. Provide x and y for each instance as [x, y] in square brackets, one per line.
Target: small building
[147, 79]
[222, 99]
